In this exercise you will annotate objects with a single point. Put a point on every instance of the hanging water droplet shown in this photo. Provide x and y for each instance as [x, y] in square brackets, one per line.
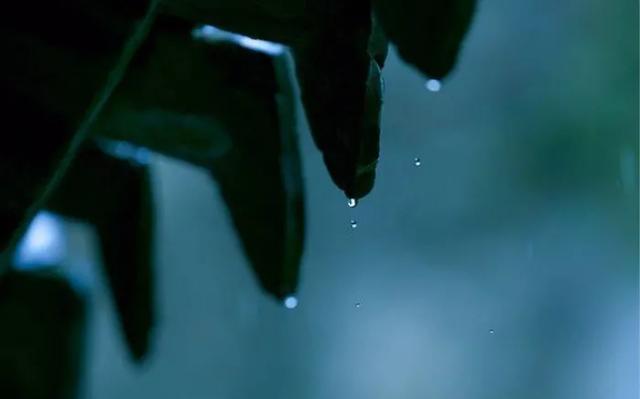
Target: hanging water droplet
[290, 302]
[354, 224]
[492, 331]
[417, 161]
[433, 85]
[352, 202]
[357, 305]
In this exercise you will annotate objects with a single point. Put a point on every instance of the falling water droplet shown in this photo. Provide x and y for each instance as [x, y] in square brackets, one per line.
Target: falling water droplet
[492, 331]
[433, 85]
[352, 202]
[354, 224]
[417, 161]
[358, 304]
[290, 302]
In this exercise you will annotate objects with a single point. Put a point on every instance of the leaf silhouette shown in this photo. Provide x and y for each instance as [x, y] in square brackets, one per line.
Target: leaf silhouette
[260, 178]
[428, 33]
[114, 195]
[231, 111]
[42, 335]
[65, 59]
[333, 71]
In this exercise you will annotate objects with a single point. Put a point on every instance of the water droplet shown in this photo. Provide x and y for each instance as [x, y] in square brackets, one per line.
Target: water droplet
[417, 161]
[352, 203]
[290, 302]
[492, 331]
[357, 305]
[433, 85]
[354, 224]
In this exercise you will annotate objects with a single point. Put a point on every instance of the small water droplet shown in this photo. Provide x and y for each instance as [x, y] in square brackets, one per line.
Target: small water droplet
[417, 161]
[290, 302]
[433, 85]
[354, 224]
[358, 304]
[352, 203]
[492, 331]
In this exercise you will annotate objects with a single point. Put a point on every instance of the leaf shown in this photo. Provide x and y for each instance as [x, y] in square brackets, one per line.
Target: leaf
[333, 71]
[260, 178]
[245, 136]
[114, 195]
[428, 33]
[65, 59]
[164, 101]
[42, 335]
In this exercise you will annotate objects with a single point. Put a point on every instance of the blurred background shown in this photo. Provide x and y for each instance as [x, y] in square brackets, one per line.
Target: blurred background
[504, 265]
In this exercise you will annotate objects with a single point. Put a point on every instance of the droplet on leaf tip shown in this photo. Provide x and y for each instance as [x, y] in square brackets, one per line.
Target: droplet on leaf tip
[352, 203]
[433, 85]
[290, 302]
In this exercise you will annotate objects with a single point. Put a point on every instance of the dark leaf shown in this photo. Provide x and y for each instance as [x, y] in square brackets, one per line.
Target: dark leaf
[333, 72]
[42, 337]
[260, 178]
[114, 195]
[62, 58]
[245, 135]
[428, 33]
